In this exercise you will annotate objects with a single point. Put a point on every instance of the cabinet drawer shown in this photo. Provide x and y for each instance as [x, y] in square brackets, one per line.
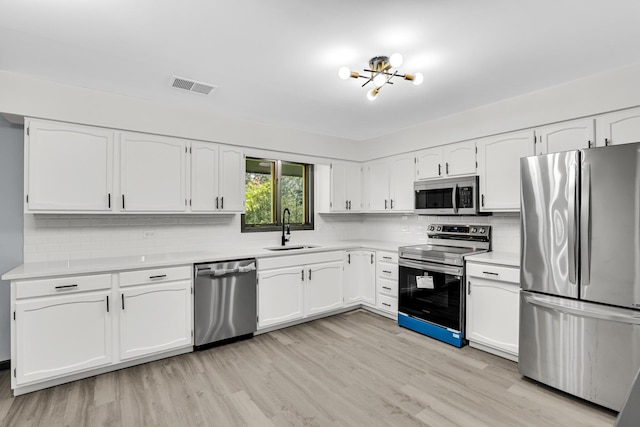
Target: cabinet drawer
[62, 285]
[387, 271]
[387, 303]
[385, 256]
[494, 272]
[387, 287]
[155, 275]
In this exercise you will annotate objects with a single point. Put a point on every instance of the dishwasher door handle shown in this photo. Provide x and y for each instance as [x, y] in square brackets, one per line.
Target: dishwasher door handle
[207, 271]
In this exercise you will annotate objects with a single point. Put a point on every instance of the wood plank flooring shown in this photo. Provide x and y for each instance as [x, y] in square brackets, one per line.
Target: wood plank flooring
[354, 369]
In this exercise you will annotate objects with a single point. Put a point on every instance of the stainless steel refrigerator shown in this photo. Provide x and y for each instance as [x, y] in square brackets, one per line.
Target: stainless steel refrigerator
[580, 271]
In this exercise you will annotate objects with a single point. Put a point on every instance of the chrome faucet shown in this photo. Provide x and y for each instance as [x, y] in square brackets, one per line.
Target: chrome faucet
[288, 226]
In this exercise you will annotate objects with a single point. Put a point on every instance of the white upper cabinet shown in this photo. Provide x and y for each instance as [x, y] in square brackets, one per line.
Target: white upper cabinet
[499, 169]
[446, 161]
[572, 135]
[621, 127]
[389, 184]
[68, 167]
[152, 173]
[217, 183]
[346, 187]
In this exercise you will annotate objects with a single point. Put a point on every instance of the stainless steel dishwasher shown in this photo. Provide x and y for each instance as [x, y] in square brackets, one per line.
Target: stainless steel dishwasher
[224, 302]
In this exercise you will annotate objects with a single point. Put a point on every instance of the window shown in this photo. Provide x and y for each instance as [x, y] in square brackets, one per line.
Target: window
[273, 185]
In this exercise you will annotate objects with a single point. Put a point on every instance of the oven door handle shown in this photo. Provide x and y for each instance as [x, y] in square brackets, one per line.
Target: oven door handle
[427, 266]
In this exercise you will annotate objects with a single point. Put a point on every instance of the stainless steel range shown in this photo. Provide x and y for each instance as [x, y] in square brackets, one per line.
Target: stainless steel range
[431, 280]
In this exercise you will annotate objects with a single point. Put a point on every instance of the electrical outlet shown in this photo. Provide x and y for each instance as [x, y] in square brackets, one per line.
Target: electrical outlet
[148, 234]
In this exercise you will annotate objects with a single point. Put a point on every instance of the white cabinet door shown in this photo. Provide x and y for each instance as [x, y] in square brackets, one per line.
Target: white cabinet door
[353, 185]
[152, 173]
[377, 186]
[280, 295]
[428, 164]
[460, 158]
[69, 167]
[360, 278]
[323, 287]
[155, 318]
[497, 328]
[60, 335]
[499, 170]
[204, 177]
[573, 135]
[339, 202]
[232, 186]
[621, 127]
[401, 183]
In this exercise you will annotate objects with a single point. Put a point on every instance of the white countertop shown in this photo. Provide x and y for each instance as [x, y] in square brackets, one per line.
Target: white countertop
[509, 259]
[90, 266]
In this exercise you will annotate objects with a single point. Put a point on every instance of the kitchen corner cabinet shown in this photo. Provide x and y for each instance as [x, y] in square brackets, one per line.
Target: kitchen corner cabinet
[217, 178]
[68, 167]
[152, 173]
[499, 170]
[620, 127]
[389, 184]
[360, 278]
[493, 307]
[446, 161]
[346, 187]
[294, 287]
[565, 136]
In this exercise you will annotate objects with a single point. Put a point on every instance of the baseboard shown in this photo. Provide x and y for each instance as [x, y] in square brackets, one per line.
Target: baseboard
[5, 364]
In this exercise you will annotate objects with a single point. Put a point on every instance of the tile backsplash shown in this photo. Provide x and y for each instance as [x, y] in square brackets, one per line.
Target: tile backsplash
[71, 237]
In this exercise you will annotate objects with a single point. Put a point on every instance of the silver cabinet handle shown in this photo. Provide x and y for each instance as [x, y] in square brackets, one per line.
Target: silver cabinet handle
[348, 258]
[468, 288]
[439, 170]
[371, 258]
[107, 303]
[386, 257]
[222, 202]
[386, 271]
[346, 205]
[388, 305]
[391, 203]
[309, 274]
[159, 276]
[447, 168]
[386, 287]
[122, 297]
[302, 275]
[217, 203]
[385, 203]
[63, 287]
[491, 273]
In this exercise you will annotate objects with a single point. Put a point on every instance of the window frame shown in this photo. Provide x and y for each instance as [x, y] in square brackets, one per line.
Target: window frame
[309, 202]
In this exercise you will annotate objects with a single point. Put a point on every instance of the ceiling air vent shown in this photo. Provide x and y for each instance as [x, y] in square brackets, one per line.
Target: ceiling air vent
[192, 85]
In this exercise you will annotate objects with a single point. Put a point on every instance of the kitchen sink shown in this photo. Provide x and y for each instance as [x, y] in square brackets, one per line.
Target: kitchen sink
[290, 248]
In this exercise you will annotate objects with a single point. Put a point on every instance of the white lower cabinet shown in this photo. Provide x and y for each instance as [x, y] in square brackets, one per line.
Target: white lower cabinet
[294, 287]
[155, 318]
[387, 282]
[360, 278]
[60, 335]
[493, 308]
[65, 328]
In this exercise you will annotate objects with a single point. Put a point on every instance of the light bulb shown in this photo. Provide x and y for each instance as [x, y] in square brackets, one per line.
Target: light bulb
[395, 60]
[344, 73]
[418, 78]
[379, 80]
[372, 94]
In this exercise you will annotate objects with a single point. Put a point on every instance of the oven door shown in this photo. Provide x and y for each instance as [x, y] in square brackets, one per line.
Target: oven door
[431, 292]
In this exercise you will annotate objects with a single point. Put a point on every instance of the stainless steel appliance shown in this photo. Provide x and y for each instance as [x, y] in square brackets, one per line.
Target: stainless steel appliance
[431, 284]
[580, 271]
[451, 196]
[225, 301]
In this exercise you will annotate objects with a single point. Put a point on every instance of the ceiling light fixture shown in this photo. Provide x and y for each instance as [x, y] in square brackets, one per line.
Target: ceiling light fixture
[382, 69]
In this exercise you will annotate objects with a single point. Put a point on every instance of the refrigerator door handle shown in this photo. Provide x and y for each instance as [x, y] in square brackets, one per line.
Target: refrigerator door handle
[585, 226]
[573, 225]
[596, 312]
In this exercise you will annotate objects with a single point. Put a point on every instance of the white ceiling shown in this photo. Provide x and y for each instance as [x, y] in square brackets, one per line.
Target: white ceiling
[276, 61]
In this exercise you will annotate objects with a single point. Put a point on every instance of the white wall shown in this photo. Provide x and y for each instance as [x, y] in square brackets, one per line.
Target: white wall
[597, 94]
[11, 177]
[31, 97]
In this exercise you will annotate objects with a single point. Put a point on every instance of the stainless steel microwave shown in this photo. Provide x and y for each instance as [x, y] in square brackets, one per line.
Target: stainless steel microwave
[451, 196]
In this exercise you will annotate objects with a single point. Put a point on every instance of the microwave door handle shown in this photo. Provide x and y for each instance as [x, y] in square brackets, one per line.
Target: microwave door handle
[454, 197]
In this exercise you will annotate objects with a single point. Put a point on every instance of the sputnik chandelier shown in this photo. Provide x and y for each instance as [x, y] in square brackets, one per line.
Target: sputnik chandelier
[382, 69]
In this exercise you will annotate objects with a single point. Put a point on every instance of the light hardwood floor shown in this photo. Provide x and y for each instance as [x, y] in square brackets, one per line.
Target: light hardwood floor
[354, 369]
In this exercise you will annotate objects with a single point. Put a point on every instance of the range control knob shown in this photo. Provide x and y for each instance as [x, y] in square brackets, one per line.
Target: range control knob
[474, 230]
[481, 230]
[438, 228]
[431, 228]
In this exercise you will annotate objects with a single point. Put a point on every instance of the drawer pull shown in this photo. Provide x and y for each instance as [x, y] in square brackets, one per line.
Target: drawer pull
[386, 257]
[67, 286]
[386, 271]
[386, 287]
[159, 276]
[491, 273]
[388, 305]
